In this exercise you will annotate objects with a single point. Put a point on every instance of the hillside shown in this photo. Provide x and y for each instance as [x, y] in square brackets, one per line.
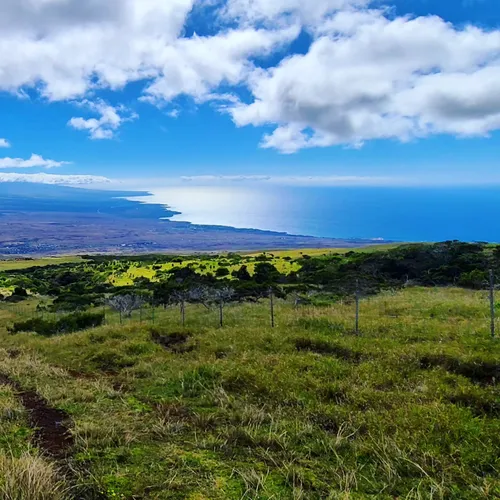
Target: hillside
[144, 407]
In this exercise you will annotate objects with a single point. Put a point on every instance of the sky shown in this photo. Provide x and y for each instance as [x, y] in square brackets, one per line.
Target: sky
[148, 92]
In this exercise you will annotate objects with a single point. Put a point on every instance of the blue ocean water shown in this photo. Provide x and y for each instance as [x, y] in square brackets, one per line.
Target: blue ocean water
[390, 213]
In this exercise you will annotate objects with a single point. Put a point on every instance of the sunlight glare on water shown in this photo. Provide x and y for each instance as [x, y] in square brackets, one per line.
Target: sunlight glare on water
[219, 205]
[404, 214]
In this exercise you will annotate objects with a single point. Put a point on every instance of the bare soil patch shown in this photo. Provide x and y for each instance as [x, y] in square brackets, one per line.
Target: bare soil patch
[51, 425]
[173, 342]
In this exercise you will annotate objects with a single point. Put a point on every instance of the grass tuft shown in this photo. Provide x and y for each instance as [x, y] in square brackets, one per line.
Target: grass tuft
[30, 477]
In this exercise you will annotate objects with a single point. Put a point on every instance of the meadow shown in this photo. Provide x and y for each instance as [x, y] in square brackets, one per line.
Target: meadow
[285, 261]
[22, 263]
[409, 408]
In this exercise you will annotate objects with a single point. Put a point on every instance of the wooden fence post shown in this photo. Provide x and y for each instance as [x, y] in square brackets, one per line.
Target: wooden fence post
[492, 303]
[357, 308]
[271, 297]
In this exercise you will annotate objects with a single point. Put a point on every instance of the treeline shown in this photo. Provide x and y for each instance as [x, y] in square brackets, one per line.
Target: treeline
[451, 263]
[79, 286]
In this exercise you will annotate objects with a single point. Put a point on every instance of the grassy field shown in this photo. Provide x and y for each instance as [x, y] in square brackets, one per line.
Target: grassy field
[200, 264]
[15, 264]
[134, 272]
[408, 409]
[315, 252]
[11, 264]
[285, 261]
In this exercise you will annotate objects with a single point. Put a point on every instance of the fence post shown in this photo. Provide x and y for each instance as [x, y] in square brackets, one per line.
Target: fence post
[271, 297]
[221, 314]
[357, 307]
[492, 302]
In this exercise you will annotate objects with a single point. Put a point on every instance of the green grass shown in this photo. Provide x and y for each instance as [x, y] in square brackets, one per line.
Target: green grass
[407, 409]
[202, 267]
[317, 252]
[286, 261]
[11, 264]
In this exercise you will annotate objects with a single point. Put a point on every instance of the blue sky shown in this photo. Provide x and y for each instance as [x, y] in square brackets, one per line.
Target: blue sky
[250, 88]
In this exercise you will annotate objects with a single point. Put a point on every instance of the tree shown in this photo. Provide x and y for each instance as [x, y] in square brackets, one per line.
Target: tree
[126, 304]
[199, 294]
[221, 296]
[242, 274]
[266, 273]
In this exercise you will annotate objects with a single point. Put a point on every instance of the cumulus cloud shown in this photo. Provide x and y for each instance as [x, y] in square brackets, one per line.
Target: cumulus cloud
[379, 79]
[308, 14]
[66, 180]
[196, 66]
[66, 48]
[4, 143]
[367, 75]
[104, 127]
[32, 162]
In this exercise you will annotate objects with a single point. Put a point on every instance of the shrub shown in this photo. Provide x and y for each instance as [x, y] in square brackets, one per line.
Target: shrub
[222, 272]
[67, 324]
[20, 292]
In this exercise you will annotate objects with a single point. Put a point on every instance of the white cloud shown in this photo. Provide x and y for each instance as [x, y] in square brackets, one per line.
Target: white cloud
[257, 181]
[379, 79]
[229, 178]
[104, 127]
[54, 179]
[66, 48]
[4, 143]
[173, 113]
[296, 180]
[196, 66]
[32, 162]
[308, 14]
[367, 75]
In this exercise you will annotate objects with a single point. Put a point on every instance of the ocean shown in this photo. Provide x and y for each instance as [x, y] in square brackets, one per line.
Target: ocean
[386, 213]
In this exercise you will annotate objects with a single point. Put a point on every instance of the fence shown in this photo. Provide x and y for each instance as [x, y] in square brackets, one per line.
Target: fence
[359, 315]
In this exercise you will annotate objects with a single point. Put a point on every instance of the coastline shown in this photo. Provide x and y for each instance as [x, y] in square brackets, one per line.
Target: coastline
[52, 220]
[243, 229]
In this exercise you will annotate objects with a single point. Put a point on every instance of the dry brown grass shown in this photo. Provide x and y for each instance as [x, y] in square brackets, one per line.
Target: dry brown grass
[29, 477]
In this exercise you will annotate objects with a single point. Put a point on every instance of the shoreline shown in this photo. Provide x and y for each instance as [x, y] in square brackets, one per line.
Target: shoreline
[52, 220]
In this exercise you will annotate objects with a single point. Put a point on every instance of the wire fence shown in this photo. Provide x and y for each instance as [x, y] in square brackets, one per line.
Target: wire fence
[358, 316]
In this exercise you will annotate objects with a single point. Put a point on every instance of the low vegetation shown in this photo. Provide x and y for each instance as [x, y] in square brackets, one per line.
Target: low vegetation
[408, 408]
[67, 324]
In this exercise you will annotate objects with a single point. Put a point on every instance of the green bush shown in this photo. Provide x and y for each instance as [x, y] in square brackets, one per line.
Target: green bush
[67, 324]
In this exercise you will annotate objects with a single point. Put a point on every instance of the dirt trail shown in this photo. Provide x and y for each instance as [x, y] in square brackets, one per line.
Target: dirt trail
[52, 433]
